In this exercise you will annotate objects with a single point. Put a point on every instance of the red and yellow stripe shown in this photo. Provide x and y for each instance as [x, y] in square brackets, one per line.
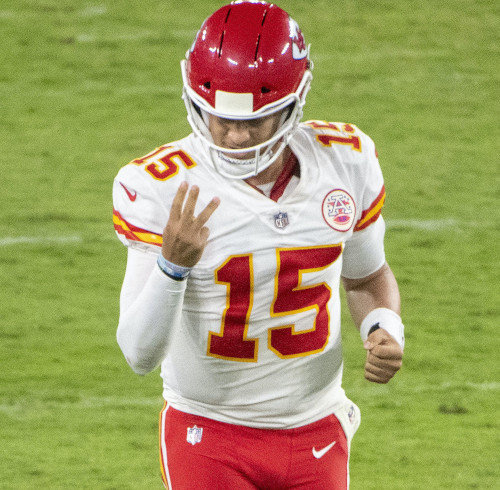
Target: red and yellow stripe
[131, 232]
[371, 214]
[163, 463]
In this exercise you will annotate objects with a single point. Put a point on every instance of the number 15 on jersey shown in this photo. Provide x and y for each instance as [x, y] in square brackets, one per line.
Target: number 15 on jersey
[290, 296]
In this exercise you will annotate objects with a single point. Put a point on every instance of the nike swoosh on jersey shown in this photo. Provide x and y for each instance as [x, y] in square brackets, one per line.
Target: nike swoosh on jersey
[131, 196]
[319, 454]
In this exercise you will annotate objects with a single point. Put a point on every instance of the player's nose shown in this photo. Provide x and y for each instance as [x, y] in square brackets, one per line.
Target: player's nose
[238, 134]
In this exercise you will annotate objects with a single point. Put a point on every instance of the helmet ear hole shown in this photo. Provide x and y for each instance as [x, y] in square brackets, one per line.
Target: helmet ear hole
[207, 85]
[265, 90]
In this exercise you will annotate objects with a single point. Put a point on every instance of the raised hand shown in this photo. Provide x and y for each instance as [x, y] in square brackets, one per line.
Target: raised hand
[185, 235]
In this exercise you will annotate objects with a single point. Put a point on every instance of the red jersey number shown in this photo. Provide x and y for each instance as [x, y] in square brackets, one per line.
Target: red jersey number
[162, 164]
[290, 296]
[346, 136]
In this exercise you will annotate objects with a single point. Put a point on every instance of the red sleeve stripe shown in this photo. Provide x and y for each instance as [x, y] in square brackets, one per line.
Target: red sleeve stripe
[371, 214]
[132, 232]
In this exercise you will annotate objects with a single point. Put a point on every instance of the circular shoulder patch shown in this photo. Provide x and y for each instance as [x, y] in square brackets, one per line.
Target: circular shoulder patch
[339, 210]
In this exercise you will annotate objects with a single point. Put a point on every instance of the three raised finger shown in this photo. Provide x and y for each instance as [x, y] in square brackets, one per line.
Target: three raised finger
[184, 208]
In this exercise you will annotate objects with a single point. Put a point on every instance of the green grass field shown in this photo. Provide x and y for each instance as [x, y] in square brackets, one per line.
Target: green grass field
[87, 86]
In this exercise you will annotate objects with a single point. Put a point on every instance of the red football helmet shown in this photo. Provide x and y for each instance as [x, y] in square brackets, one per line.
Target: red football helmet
[248, 60]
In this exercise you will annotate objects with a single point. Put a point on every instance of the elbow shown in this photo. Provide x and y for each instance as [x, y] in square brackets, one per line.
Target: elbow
[139, 364]
[139, 360]
[139, 367]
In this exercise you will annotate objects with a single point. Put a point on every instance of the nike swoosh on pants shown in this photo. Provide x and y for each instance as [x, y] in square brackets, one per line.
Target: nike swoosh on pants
[319, 454]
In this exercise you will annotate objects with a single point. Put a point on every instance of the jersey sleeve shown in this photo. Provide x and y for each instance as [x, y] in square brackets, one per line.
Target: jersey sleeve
[150, 312]
[364, 251]
[150, 301]
[138, 215]
[372, 195]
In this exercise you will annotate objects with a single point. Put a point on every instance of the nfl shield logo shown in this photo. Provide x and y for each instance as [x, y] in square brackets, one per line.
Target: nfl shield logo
[194, 435]
[281, 220]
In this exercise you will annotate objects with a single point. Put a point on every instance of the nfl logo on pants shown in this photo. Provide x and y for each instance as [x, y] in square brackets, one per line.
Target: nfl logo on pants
[194, 435]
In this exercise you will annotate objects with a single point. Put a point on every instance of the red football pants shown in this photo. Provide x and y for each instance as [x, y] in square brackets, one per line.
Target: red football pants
[200, 453]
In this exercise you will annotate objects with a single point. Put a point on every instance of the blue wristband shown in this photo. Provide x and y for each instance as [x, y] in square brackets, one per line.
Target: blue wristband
[174, 271]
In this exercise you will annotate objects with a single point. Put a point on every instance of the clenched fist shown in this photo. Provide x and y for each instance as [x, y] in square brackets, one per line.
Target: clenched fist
[384, 356]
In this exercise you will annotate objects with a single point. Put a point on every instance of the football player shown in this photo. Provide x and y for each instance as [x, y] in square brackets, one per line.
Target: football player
[239, 236]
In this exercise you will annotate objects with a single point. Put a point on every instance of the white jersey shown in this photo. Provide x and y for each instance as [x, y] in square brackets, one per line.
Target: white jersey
[258, 342]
